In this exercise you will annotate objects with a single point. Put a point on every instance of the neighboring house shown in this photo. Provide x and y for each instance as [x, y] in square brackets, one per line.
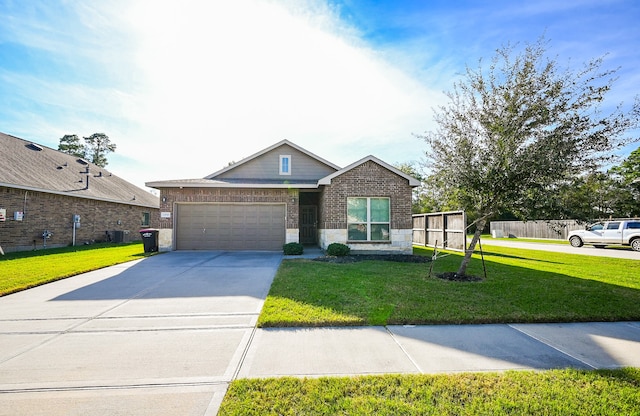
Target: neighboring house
[285, 194]
[42, 189]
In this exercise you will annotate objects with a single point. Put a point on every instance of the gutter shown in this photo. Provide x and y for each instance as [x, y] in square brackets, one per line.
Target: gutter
[48, 191]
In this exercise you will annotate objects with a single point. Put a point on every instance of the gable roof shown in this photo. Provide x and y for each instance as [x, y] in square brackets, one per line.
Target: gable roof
[33, 167]
[327, 179]
[250, 172]
[224, 179]
[267, 150]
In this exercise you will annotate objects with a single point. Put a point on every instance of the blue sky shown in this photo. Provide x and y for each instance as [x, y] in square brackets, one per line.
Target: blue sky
[184, 88]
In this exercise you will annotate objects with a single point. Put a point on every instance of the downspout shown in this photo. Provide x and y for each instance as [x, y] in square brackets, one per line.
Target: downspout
[24, 205]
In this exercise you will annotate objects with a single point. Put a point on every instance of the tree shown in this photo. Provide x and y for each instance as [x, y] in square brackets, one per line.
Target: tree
[98, 145]
[512, 134]
[629, 169]
[70, 144]
[628, 174]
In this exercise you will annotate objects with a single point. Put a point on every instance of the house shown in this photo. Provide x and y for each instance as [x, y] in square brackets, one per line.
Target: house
[285, 194]
[52, 199]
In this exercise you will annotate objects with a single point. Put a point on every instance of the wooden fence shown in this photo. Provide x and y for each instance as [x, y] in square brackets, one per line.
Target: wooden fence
[442, 229]
[554, 229]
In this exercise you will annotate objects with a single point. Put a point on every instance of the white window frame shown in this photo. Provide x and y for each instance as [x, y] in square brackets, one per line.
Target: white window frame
[368, 222]
[284, 158]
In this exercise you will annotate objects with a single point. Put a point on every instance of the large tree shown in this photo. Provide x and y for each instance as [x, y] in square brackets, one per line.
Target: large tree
[70, 144]
[513, 132]
[98, 145]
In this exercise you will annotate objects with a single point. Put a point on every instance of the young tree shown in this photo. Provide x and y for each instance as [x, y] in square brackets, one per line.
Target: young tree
[70, 144]
[512, 133]
[98, 145]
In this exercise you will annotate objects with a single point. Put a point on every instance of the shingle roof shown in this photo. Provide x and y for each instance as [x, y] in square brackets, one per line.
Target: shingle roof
[26, 165]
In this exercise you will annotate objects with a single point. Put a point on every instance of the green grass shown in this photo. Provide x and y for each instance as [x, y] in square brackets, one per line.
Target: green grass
[521, 286]
[23, 270]
[555, 392]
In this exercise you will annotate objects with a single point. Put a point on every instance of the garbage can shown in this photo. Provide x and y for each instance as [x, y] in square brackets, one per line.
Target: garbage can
[150, 240]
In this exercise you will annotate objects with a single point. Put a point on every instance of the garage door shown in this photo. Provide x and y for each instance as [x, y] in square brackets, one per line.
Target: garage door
[230, 227]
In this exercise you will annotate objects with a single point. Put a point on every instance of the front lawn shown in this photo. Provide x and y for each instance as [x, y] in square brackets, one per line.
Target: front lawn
[556, 392]
[521, 286]
[22, 270]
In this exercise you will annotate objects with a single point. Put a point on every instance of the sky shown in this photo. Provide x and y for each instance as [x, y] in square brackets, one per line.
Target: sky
[183, 88]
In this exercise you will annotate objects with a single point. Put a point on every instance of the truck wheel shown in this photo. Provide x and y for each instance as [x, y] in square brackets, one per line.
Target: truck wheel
[576, 241]
[635, 244]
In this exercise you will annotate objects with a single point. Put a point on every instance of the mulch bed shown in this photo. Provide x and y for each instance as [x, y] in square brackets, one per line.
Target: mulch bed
[401, 258]
[453, 276]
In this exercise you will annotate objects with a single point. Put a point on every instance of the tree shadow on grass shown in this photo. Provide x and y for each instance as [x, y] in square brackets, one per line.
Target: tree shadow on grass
[510, 294]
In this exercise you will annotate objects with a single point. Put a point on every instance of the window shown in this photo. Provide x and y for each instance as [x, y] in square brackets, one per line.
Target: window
[146, 219]
[285, 164]
[596, 227]
[633, 225]
[613, 226]
[368, 219]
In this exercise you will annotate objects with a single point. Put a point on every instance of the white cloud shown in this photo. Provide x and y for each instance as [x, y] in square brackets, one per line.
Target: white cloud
[183, 88]
[226, 79]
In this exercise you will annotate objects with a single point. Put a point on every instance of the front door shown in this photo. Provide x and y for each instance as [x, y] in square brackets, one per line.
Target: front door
[308, 224]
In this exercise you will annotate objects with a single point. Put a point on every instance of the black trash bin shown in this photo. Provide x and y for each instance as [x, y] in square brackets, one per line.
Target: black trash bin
[150, 240]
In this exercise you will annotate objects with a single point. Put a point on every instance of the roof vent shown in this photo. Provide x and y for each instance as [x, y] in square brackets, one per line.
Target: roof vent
[34, 146]
[82, 161]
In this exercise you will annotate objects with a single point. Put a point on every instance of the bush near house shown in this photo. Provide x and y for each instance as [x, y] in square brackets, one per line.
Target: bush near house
[293, 249]
[338, 249]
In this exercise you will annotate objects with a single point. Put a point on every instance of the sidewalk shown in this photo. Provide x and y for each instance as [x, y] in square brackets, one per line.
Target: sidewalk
[314, 352]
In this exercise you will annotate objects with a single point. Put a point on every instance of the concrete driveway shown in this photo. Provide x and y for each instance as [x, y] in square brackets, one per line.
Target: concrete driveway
[163, 335]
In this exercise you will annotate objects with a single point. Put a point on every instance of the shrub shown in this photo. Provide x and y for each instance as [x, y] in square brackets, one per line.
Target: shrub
[337, 249]
[293, 249]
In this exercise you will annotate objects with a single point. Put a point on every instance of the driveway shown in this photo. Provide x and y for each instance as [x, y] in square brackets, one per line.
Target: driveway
[163, 335]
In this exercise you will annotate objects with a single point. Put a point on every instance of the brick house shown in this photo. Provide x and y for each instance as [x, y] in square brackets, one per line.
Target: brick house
[42, 189]
[284, 194]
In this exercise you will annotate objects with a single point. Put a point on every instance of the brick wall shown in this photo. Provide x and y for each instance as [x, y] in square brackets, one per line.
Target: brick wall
[170, 196]
[43, 211]
[366, 180]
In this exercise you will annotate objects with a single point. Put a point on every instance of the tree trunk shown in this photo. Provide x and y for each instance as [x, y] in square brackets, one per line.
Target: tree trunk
[462, 270]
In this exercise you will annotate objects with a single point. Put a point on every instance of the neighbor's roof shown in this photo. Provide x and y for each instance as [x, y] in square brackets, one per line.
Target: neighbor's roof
[33, 167]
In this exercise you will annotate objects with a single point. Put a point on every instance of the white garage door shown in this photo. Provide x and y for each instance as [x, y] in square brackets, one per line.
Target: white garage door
[230, 227]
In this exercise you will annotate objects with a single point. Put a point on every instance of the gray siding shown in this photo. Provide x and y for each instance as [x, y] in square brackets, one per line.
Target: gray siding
[267, 167]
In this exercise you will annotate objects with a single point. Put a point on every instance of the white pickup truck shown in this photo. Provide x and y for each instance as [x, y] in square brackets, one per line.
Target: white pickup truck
[600, 234]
